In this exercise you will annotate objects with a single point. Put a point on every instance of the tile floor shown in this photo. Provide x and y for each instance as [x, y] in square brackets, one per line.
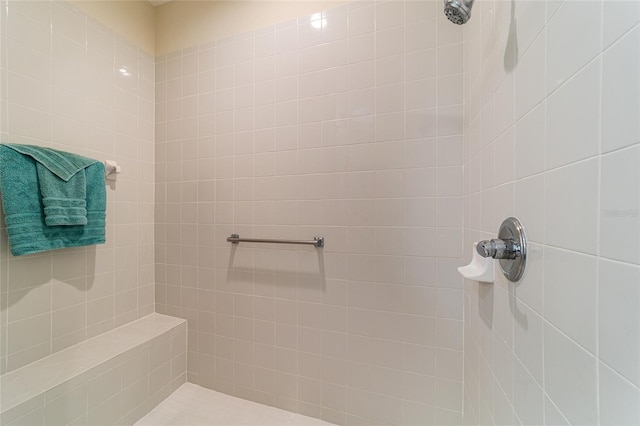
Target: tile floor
[193, 405]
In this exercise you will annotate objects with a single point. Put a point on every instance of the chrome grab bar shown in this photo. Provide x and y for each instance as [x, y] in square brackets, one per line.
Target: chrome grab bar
[235, 239]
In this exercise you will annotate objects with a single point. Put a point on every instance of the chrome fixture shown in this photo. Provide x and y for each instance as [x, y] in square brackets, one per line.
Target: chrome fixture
[510, 248]
[235, 239]
[458, 11]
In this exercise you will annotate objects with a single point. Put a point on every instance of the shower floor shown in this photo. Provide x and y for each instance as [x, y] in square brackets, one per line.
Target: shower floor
[193, 405]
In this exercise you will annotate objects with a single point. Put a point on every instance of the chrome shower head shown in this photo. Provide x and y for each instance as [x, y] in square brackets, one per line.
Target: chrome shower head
[458, 11]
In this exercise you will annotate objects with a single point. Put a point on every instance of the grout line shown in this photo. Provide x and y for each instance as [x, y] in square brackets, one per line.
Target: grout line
[543, 105]
[598, 194]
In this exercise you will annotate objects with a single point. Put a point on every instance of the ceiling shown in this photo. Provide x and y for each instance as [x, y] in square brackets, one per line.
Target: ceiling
[158, 2]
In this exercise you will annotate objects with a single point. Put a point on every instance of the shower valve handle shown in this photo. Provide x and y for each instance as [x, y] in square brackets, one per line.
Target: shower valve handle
[498, 249]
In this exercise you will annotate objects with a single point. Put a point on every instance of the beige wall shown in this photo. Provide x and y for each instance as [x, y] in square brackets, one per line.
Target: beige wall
[352, 133]
[53, 300]
[545, 141]
[182, 24]
[131, 19]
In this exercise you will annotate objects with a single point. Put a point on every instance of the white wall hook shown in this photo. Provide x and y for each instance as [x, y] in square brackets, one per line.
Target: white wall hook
[111, 169]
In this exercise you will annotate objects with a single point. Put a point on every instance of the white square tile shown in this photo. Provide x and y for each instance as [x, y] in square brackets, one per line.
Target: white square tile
[449, 394]
[333, 54]
[69, 67]
[243, 73]
[389, 127]
[421, 64]
[530, 76]
[570, 377]
[621, 93]
[420, 212]
[361, 48]
[450, 59]
[552, 415]
[417, 11]
[449, 120]
[504, 157]
[449, 90]
[449, 211]
[503, 320]
[618, 322]
[335, 24]
[310, 84]
[361, 102]
[389, 42]
[286, 39]
[449, 181]
[32, 33]
[361, 75]
[619, 204]
[419, 35]
[224, 78]
[421, 94]
[504, 105]
[502, 410]
[618, 399]
[528, 343]
[487, 167]
[530, 16]
[572, 118]
[33, 93]
[530, 157]
[310, 31]
[264, 69]
[361, 20]
[572, 226]
[573, 38]
[264, 43]
[67, 407]
[618, 18]
[389, 14]
[570, 294]
[528, 397]
[310, 110]
[448, 34]
[504, 360]
[286, 64]
[529, 206]
[32, 124]
[422, 123]
[335, 80]
[449, 151]
[68, 21]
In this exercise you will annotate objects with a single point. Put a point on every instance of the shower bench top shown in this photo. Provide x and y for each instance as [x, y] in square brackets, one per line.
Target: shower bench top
[65, 369]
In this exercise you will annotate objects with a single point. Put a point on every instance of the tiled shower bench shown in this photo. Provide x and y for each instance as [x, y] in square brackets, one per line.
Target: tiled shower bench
[114, 378]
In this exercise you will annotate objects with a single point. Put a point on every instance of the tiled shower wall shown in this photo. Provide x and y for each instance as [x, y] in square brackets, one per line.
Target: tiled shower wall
[345, 124]
[69, 83]
[552, 100]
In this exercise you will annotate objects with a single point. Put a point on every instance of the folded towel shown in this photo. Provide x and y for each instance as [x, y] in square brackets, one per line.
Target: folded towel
[24, 213]
[64, 202]
[62, 182]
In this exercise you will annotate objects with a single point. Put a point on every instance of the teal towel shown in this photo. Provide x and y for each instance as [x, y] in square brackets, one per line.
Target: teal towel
[62, 182]
[24, 208]
[65, 203]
